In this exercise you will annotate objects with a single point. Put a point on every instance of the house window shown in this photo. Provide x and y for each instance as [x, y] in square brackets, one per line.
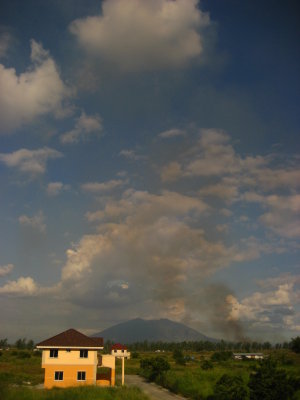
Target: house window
[81, 375]
[53, 353]
[122, 351]
[68, 351]
[83, 353]
[115, 351]
[59, 376]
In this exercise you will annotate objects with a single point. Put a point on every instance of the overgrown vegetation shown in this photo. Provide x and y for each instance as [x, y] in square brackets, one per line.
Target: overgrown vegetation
[84, 392]
[198, 375]
[217, 376]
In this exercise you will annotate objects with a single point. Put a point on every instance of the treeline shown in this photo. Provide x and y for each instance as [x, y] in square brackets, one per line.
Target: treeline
[20, 344]
[197, 346]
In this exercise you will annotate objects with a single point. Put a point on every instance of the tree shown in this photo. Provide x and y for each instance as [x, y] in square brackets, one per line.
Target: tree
[269, 383]
[207, 365]
[30, 344]
[178, 357]
[21, 344]
[3, 343]
[295, 344]
[154, 368]
[231, 387]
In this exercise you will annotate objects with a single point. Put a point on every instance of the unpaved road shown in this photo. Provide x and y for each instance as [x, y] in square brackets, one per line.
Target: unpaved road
[150, 389]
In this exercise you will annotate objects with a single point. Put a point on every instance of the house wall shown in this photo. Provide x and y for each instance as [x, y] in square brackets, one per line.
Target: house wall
[69, 358]
[70, 375]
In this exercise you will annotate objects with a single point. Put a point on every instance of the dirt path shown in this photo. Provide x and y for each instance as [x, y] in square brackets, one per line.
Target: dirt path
[151, 389]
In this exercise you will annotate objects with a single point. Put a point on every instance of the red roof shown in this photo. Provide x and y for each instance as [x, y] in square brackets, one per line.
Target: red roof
[118, 346]
[72, 338]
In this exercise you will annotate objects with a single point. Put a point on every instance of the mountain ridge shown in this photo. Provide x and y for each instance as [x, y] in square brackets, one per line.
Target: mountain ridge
[153, 330]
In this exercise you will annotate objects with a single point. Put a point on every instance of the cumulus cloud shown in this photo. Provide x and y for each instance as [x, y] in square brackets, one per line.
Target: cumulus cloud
[37, 222]
[55, 188]
[36, 92]
[6, 269]
[21, 287]
[282, 215]
[226, 176]
[85, 126]
[5, 41]
[274, 307]
[100, 187]
[172, 133]
[131, 155]
[148, 235]
[144, 35]
[171, 172]
[32, 162]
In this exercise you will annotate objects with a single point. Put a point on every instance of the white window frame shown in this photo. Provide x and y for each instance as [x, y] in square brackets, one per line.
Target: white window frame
[79, 378]
[62, 376]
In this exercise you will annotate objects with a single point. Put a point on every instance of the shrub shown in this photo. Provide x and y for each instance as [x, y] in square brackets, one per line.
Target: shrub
[207, 365]
[154, 368]
[295, 344]
[23, 354]
[178, 357]
[231, 387]
[135, 354]
[270, 383]
[221, 355]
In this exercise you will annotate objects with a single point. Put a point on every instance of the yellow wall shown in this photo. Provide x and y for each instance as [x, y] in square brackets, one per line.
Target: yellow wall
[69, 358]
[108, 360]
[70, 375]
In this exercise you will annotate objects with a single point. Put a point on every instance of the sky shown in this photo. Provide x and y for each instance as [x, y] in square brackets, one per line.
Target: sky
[149, 166]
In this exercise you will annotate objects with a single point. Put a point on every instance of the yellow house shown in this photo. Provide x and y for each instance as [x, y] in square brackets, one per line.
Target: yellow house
[71, 359]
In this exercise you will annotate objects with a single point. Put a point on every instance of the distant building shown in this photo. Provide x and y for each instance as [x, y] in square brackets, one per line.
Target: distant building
[71, 359]
[248, 356]
[119, 350]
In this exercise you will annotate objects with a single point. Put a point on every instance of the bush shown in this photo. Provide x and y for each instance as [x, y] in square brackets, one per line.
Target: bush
[154, 368]
[231, 387]
[207, 365]
[295, 344]
[23, 354]
[135, 354]
[270, 383]
[178, 357]
[221, 356]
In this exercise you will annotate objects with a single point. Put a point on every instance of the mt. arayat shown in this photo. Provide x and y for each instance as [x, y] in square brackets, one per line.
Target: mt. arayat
[139, 330]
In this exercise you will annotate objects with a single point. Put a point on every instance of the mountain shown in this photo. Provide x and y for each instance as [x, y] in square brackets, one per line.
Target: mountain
[138, 330]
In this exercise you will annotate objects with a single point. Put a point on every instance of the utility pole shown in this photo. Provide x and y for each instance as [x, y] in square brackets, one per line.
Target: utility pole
[123, 370]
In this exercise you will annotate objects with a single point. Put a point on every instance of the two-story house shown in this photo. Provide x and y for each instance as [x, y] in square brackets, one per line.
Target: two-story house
[71, 359]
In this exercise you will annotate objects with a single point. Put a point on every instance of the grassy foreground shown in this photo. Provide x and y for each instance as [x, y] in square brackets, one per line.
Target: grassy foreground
[80, 393]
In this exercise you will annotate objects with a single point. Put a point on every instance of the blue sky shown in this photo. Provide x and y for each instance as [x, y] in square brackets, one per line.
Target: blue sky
[149, 166]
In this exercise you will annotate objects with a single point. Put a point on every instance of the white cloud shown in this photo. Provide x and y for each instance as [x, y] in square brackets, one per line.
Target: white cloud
[21, 287]
[282, 214]
[32, 162]
[172, 133]
[227, 189]
[6, 269]
[55, 188]
[85, 126]
[274, 307]
[99, 187]
[37, 222]
[33, 93]
[142, 34]
[5, 41]
[171, 172]
[131, 155]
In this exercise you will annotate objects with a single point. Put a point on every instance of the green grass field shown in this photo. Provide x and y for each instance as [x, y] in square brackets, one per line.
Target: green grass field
[20, 371]
[192, 381]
